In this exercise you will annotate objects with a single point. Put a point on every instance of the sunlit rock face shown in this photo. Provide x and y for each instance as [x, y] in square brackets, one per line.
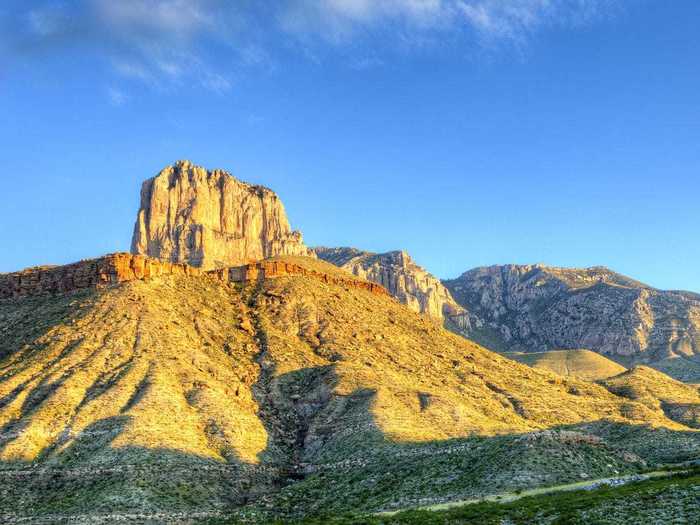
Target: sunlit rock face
[536, 307]
[209, 219]
[396, 271]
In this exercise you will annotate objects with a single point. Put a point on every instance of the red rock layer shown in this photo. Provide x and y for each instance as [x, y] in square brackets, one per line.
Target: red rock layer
[120, 267]
[110, 269]
[270, 269]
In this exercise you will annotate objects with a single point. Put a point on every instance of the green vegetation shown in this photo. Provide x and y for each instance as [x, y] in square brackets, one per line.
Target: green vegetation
[668, 500]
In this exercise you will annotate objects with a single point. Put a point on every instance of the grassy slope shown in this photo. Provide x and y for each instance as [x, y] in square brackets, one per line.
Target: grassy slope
[150, 381]
[686, 369]
[583, 364]
[680, 402]
[292, 397]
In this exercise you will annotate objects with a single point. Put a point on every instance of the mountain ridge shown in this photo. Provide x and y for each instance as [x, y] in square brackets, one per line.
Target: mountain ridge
[538, 308]
[233, 377]
[398, 273]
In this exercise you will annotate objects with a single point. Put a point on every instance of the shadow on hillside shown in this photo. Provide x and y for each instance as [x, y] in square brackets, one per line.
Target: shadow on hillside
[326, 452]
[24, 321]
[92, 476]
[687, 414]
[342, 460]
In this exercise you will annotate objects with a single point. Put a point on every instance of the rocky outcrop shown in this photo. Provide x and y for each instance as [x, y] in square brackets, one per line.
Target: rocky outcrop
[209, 219]
[122, 267]
[536, 308]
[110, 269]
[404, 279]
[271, 269]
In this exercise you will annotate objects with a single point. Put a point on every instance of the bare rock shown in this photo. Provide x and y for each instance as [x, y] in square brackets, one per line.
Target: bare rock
[403, 278]
[209, 219]
[538, 308]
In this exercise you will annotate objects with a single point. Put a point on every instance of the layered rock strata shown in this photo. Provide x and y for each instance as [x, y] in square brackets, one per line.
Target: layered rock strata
[209, 219]
[110, 269]
[272, 269]
[122, 267]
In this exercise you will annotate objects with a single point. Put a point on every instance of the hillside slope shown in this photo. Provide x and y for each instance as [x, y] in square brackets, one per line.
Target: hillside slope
[538, 308]
[583, 364]
[679, 401]
[182, 398]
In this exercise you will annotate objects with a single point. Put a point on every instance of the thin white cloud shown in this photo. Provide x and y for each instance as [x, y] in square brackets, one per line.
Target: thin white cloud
[116, 97]
[216, 83]
[516, 19]
[366, 62]
[179, 19]
[203, 42]
[44, 22]
[339, 20]
[133, 70]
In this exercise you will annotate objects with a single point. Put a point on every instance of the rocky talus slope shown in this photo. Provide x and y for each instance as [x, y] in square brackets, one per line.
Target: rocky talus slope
[182, 397]
[539, 308]
[209, 219]
[409, 283]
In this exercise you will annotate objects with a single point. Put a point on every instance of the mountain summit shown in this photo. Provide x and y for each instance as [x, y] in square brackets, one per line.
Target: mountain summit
[209, 219]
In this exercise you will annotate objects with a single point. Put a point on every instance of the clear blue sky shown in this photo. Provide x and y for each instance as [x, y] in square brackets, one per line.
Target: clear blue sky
[468, 132]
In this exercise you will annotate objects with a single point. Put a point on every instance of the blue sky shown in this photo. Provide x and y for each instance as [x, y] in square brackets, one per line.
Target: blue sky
[467, 132]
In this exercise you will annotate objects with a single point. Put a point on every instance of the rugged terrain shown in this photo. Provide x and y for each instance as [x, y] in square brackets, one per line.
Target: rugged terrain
[539, 308]
[184, 397]
[209, 219]
[220, 373]
[396, 271]
[679, 401]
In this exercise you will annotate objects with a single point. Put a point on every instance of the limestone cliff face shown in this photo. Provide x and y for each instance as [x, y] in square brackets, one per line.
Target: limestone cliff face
[209, 219]
[404, 279]
[535, 308]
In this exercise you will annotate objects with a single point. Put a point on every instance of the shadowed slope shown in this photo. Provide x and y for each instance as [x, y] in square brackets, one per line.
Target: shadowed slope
[135, 398]
[390, 409]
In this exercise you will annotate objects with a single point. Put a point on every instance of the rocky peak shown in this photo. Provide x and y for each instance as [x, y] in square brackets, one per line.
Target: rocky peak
[538, 308]
[209, 219]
